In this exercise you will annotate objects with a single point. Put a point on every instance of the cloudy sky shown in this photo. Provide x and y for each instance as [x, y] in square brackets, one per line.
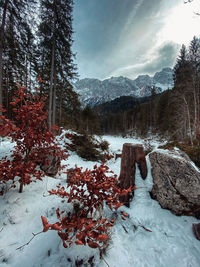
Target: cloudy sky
[131, 37]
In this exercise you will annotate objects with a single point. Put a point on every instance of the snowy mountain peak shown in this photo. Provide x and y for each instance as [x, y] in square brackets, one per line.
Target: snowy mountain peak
[164, 77]
[94, 91]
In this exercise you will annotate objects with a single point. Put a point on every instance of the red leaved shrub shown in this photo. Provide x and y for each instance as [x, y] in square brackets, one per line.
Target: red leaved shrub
[89, 190]
[32, 137]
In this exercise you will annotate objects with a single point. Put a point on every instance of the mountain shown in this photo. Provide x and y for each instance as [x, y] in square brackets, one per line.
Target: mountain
[93, 91]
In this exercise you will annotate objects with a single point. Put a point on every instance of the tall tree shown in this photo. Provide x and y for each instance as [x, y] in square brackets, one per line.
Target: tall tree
[194, 58]
[57, 67]
[16, 39]
[182, 96]
[4, 9]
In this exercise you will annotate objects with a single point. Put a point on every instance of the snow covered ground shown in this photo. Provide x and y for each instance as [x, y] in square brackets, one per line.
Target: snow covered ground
[150, 237]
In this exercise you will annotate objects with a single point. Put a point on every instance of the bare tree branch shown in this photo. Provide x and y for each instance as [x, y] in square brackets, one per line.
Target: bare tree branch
[34, 235]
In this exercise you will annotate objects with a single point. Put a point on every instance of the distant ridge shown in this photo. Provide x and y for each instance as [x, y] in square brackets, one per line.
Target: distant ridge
[93, 91]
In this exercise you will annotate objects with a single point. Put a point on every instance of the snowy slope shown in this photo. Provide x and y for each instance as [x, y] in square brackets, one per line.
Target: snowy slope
[170, 242]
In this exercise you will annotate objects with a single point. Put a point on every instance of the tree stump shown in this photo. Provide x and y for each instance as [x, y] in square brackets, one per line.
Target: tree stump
[131, 154]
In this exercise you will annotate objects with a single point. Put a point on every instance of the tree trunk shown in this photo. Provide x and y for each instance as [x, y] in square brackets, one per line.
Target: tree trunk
[21, 188]
[52, 73]
[194, 87]
[51, 85]
[131, 154]
[189, 123]
[1, 51]
[26, 72]
[198, 110]
[54, 102]
[60, 111]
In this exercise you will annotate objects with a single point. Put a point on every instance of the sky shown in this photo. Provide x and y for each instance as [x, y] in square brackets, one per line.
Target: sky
[131, 37]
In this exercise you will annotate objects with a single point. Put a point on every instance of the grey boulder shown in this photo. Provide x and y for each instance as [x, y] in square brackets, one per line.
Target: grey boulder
[176, 183]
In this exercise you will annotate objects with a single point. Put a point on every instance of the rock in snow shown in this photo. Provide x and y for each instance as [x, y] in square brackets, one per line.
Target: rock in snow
[176, 183]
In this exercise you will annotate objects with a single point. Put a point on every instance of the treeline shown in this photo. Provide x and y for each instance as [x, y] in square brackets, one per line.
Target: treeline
[149, 115]
[174, 113]
[35, 52]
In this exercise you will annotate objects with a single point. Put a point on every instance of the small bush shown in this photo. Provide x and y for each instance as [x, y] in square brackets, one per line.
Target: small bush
[32, 137]
[104, 145]
[88, 147]
[89, 191]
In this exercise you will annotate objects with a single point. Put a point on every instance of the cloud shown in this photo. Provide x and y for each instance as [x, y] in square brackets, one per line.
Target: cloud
[154, 60]
[98, 27]
[164, 56]
[127, 37]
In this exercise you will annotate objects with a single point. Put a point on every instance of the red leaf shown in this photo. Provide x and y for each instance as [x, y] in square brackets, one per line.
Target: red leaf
[118, 205]
[103, 221]
[110, 224]
[26, 176]
[46, 227]
[102, 237]
[44, 220]
[79, 242]
[13, 103]
[93, 234]
[45, 224]
[65, 245]
[56, 227]
[80, 236]
[55, 127]
[63, 236]
[92, 244]
[101, 229]
[124, 214]
[90, 226]
[126, 191]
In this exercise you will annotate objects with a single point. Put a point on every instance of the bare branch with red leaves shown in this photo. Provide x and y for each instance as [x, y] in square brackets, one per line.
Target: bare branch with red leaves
[90, 189]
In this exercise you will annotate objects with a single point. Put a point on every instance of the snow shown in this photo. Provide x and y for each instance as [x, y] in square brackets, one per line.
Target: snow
[164, 87]
[94, 91]
[170, 242]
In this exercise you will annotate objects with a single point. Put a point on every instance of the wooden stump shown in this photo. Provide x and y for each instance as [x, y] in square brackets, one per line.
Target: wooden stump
[131, 154]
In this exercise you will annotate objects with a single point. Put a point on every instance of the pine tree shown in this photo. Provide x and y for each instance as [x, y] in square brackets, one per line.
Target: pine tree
[3, 12]
[194, 58]
[163, 113]
[57, 67]
[15, 46]
[181, 100]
